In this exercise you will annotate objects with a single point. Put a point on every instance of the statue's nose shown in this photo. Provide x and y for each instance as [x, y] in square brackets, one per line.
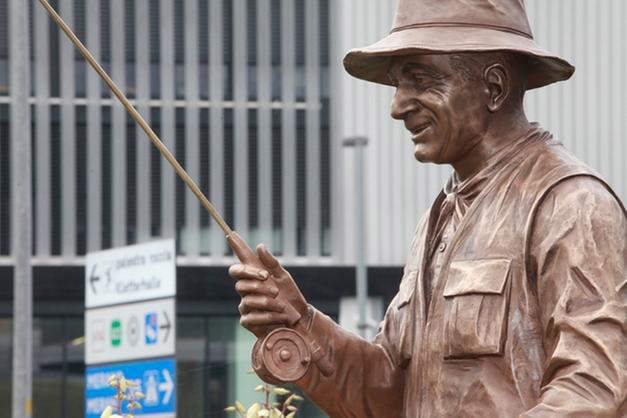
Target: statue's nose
[402, 104]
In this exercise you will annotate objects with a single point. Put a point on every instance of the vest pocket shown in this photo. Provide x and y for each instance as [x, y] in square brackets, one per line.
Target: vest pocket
[476, 303]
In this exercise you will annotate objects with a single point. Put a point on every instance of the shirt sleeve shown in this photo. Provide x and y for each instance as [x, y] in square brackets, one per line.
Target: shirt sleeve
[578, 251]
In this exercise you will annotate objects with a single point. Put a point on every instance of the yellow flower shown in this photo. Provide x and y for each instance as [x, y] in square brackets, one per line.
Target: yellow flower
[107, 412]
[124, 384]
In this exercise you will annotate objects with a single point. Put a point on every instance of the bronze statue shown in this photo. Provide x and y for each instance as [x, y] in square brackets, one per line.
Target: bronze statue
[514, 296]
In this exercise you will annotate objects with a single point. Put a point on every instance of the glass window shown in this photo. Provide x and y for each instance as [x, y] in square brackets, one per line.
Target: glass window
[155, 175]
[56, 204]
[205, 177]
[180, 187]
[203, 49]
[105, 42]
[107, 176]
[155, 49]
[227, 51]
[80, 66]
[55, 71]
[131, 176]
[48, 364]
[301, 46]
[4, 48]
[129, 48]
[179, 49]
[229, 168]
[74, 368]
[275, 19]
[251, 43]
[81, 179]
[325, 180]
[253, 170]
[277, 182]
[6, 365]
[301, 183]
[5, 181]
[192, 371]
[58, 366]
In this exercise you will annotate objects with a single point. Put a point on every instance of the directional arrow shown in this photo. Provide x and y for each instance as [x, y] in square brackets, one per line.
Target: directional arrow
[93, 279]
[167, 386]
[166, 326]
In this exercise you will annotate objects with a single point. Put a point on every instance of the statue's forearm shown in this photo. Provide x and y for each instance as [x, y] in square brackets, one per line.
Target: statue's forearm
[365, 382]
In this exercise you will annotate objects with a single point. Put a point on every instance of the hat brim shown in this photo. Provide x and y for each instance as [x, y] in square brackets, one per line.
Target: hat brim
[372, 62]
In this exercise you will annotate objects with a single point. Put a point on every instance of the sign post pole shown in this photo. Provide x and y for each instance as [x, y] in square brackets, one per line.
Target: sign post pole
[22, 209]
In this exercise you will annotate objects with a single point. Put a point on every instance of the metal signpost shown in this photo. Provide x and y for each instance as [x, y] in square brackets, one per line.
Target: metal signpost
[130, 315]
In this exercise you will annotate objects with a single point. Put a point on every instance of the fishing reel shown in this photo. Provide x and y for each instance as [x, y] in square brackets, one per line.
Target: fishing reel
[286, 353]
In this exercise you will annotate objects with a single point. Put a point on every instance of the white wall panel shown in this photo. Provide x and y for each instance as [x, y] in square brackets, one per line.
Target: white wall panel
[587, 113]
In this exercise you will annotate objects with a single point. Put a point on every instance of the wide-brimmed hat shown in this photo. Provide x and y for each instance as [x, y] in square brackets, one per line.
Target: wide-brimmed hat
[458, 26]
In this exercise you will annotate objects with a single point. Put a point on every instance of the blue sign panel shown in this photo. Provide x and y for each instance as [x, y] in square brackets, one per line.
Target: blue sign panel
[155, 379]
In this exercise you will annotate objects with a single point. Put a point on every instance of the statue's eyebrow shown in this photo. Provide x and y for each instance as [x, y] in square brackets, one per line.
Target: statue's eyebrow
[429, 71]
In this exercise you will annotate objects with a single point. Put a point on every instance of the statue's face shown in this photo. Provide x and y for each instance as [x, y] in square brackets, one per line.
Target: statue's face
[443, 108]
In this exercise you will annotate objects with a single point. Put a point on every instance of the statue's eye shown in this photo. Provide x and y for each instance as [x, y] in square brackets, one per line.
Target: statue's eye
[420, 78]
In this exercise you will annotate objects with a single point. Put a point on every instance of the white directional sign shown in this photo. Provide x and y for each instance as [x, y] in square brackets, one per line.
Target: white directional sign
[128, 274]
[130, 331]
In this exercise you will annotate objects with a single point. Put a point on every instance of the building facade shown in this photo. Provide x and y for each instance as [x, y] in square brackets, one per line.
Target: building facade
[251, 97]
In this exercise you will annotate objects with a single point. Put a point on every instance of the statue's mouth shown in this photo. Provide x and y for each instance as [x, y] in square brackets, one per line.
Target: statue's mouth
[419, 130]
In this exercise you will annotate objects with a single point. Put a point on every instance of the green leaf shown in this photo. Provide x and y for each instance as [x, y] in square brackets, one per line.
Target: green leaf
[264, 413]
[291, 415]
[259, 388]
[230, 409]
[292, 408]
[298, 398]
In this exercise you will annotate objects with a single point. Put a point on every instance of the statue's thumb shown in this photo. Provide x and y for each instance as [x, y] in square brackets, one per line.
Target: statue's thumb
[271, 263]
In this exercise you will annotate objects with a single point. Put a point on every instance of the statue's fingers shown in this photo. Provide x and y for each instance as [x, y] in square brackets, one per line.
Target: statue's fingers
[270, 261]
[258, 318]
[260, 303]
[244, 271]
[247, 287]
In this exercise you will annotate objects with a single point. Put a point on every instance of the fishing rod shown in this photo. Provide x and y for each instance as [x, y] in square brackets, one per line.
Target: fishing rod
[285, 354]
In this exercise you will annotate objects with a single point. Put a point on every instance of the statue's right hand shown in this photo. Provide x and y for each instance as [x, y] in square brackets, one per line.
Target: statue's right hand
[265, 294]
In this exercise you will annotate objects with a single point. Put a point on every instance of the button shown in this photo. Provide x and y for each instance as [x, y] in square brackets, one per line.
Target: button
[442, 247]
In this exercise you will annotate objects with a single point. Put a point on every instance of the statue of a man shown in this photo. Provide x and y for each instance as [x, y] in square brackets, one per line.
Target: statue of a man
[514, 296]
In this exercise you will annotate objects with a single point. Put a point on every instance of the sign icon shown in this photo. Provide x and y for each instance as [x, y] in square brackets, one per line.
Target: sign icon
[158, 386]
[98, 335]
[133, 330]
[167, 387]
[116, 332]
[152, 329]
[151, 388]
[166, 326]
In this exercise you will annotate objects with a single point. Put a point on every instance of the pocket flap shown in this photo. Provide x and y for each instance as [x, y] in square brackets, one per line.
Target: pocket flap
[406, 290]
[477, 276]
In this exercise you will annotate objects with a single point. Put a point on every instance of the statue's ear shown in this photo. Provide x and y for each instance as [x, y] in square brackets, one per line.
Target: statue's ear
[498, 82]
